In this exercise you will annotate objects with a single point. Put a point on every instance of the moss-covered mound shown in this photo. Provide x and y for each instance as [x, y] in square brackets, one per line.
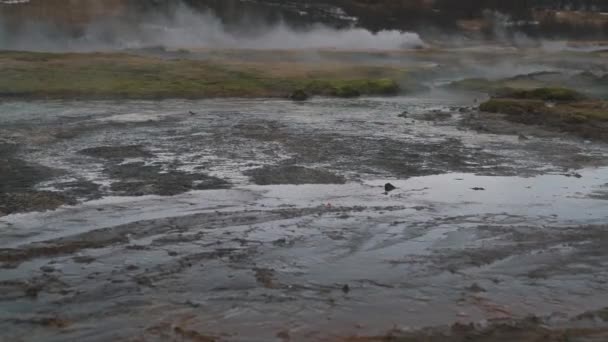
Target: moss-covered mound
[554, 107]
[545, 94]
[353, 88]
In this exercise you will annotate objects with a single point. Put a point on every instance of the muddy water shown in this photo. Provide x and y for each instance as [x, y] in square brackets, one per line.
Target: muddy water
[172, 238]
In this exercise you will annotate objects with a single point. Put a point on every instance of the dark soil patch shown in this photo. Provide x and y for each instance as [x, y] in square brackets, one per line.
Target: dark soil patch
[117, 152]
[138, 179]
[292, 174]
[17, 175]
[19, 202]
[81, 189]
[17, 181]
[585, 118]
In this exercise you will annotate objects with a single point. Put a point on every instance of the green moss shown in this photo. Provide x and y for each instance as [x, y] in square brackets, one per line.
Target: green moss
[569, 112]
[512, 106]
[546, 94]
[352, 88]
[133, 78]
[97, 75]
[299, 95]
[573, 118]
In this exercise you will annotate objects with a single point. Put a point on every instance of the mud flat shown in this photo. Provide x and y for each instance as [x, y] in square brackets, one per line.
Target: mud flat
[243, 219]
[259, 219]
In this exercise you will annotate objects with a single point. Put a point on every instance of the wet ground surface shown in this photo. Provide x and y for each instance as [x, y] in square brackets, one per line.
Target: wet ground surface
[257, 220]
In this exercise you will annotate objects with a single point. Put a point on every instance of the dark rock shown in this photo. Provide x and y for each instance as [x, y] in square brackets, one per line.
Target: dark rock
[574, 174]
[284, 335]
[388, 187]
[47, 269]
[478, 189]
[32, 291]
[280, 242]
[299, 95]
[83, 259]
[346, 288]
[476, 288]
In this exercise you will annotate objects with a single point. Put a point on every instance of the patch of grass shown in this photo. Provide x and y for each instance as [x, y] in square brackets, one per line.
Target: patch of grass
[573, 112]
[591, 110]
[588, 118]
[352, 88]
[512, 106]
[114, 75]
[546, 94]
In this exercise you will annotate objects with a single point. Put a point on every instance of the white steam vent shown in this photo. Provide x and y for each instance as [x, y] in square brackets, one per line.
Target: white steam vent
[190, 29]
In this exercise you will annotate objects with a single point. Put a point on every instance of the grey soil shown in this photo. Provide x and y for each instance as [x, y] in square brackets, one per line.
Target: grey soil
[291, 174]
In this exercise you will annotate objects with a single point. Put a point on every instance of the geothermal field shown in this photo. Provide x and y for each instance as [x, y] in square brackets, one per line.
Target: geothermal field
[183, 178]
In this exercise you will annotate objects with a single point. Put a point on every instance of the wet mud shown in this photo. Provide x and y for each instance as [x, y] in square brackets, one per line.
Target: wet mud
[291, 174]
[17, 184]
[139, 179]
[117, 152]
[269, 220]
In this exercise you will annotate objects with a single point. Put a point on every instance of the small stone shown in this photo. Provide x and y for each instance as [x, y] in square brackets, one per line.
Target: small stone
[299, 95]
[47, 269]
[280, 242]
[476, 288]
[32, 291]
[284, 335]
[388, 187]
[83, 259]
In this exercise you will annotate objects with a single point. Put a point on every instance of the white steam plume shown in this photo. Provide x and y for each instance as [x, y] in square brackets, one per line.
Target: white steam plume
[188, 28]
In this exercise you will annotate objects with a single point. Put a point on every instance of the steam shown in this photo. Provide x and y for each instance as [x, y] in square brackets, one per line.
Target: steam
[186, 28]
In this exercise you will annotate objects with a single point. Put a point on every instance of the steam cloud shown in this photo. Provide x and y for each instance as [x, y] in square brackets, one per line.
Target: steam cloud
[188, 28]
